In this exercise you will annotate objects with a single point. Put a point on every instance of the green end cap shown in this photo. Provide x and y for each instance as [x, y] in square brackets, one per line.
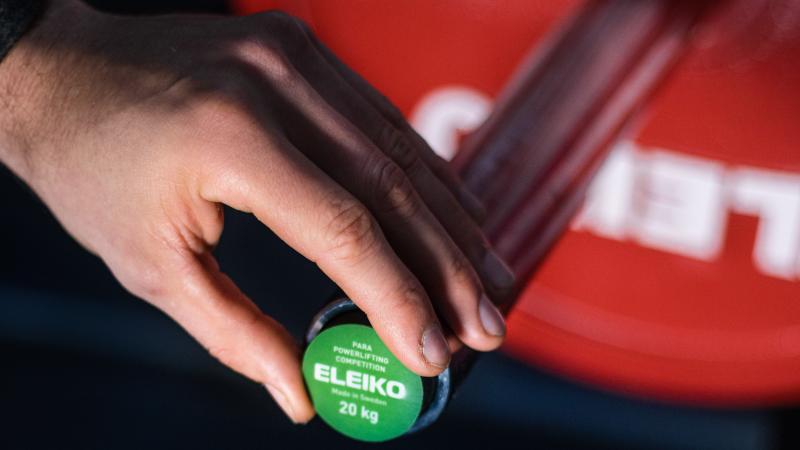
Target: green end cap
[358, 387]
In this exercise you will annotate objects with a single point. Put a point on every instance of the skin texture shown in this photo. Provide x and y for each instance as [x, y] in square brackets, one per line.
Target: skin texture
[135, 131]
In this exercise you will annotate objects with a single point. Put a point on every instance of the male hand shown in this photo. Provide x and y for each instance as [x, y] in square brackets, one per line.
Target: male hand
[134, 132]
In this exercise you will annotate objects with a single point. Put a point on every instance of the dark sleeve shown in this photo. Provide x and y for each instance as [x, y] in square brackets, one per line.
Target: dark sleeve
[16, 16]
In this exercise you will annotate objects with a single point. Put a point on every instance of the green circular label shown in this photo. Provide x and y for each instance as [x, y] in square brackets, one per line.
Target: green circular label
[358, 387]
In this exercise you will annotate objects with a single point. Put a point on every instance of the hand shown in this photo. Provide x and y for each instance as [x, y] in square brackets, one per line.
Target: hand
[134, 132]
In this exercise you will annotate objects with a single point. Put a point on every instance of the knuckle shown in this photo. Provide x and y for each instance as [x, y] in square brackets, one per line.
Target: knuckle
[394, 192]
[272, 56]
[222, 349]
[408, 298]
[287, 33]
[352, 232]
[146, 281]
[462, 272]
[231, 79]
[397, 147]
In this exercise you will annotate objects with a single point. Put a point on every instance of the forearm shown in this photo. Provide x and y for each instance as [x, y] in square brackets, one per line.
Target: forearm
[17, 17]
[29, 74]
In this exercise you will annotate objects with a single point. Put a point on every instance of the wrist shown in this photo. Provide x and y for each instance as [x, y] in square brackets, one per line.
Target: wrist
[29, 75]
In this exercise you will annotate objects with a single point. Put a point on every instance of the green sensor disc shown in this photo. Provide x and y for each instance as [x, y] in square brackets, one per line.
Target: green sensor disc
[358, 387]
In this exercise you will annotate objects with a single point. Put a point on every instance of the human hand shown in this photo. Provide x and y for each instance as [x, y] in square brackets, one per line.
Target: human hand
[134, 132]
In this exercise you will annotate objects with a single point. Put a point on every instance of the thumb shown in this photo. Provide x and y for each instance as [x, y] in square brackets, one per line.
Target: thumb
[207, 304]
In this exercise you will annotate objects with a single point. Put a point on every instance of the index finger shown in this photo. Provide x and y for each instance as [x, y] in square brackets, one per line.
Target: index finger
[326, 224]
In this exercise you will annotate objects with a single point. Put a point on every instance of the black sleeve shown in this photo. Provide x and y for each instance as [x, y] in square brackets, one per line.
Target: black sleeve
[16, 16]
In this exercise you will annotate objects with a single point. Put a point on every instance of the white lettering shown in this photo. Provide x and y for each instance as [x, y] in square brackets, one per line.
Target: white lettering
[395, 389]
[335, 380]
[361, 381]
[775, 199]
[353, 378]
[609, 199]
[322, 372]
[657, 198]
[678, 206]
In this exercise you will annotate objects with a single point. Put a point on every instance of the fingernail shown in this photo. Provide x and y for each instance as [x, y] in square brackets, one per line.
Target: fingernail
[434, 348]
[283, 401]
[491, 318]
[471, 202]
[500, 275]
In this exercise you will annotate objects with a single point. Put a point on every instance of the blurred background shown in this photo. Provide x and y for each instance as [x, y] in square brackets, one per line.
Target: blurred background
[667, 317]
